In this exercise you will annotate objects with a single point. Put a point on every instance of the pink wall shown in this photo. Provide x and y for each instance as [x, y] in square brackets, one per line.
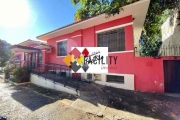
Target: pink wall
[21, 53]
[148, 71]
[72, 42]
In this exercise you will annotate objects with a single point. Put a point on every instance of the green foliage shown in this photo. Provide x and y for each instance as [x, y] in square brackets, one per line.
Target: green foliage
[159, 10]
[90, 8]
[5, 53]
[21, 74]
[7, 73]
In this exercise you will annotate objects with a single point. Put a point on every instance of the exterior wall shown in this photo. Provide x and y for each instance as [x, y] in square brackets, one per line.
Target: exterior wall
[51, 85]
[142, 73]
[171, 45]
[20, 53]
[167, 29]
[72, 42]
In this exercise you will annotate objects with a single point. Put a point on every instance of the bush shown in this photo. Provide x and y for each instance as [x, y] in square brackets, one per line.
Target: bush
[21, 74]
[7, 73]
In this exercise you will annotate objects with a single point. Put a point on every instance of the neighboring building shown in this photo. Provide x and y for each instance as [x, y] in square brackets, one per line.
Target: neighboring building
[31, 51]
[122, 32]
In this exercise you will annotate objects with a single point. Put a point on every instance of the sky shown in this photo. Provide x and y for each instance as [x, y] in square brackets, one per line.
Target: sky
[21, 20]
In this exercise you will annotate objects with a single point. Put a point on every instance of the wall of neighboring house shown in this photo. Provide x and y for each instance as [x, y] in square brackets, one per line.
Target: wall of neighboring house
[20, 53]
[140, 73]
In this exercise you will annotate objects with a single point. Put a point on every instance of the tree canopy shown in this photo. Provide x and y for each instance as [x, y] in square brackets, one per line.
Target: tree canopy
[5, 53]
[159, 10]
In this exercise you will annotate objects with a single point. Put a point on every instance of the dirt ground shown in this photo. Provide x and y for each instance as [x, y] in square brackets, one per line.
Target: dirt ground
[31, 102]
[157, 106]
[27, 103]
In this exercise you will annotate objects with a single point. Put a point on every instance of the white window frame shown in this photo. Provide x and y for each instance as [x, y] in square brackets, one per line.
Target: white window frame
[57, 46]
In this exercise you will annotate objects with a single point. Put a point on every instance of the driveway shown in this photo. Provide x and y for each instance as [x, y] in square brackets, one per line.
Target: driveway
[31, 102]
[22, 103]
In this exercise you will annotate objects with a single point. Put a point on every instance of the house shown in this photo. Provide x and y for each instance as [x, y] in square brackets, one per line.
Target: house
[122, 32]
[31, 51]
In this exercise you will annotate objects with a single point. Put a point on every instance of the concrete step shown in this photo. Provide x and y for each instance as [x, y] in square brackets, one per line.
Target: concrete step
[92, 106]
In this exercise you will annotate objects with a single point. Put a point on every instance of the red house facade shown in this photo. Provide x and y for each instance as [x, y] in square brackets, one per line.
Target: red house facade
[121, 35]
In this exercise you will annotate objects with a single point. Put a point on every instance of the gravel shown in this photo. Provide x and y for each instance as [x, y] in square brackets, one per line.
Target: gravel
[29, 103]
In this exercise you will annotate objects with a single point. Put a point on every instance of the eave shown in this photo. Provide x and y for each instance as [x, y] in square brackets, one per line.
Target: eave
[20, 48]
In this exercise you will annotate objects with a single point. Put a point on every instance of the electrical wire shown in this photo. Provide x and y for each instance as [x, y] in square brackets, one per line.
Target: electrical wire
[66, 5]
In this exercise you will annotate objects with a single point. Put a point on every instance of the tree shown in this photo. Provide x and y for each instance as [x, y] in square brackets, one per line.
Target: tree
[5, 53]
[90, 8]
[159, 10]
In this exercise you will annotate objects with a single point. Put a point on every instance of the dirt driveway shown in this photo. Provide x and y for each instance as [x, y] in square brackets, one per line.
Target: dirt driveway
[20, 103]
[30, 102]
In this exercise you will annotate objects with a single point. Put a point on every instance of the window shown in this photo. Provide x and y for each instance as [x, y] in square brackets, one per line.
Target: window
[18, 57]
[113, 39]
[62, 48]
[40, 59]
[115, 79]
[89, 76]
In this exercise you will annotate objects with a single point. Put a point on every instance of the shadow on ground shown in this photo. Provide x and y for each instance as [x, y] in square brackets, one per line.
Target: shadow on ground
[152, 105]
[157, 106]
[36, 97]
[29, 99]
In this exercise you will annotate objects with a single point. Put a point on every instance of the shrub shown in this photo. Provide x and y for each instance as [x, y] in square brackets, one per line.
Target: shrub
[7, 73]
[21, 74]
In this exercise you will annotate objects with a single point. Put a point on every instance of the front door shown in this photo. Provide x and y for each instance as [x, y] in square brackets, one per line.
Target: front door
[172, 76]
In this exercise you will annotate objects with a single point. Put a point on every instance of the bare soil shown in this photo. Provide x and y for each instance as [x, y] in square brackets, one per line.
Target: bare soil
[35, 103]
[31, 102]
[157, 106]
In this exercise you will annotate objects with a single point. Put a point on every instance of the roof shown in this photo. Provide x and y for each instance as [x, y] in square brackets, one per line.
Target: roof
[134, 9]
[133, 1]
[30, 46]
[29, 42]
[20, 48]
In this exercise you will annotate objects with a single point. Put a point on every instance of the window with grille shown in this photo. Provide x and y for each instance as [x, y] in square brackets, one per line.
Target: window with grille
[62, 48]
[113, 39]
[89, 76]
[115, 79]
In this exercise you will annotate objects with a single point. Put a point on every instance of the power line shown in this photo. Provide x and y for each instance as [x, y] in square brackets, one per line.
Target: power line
[66, 5]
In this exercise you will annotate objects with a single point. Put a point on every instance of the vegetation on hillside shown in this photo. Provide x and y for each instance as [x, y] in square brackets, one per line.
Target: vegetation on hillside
[5, 53]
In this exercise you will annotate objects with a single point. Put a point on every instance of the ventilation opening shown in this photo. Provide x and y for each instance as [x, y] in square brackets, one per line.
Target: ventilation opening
[97, 76]
[89, 76]
[115, 79]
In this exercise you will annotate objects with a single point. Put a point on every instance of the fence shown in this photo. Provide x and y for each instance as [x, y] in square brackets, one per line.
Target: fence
[55, 72]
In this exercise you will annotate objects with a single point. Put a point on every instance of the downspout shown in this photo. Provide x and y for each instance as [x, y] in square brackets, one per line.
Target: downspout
[95, 45]
[81, 38]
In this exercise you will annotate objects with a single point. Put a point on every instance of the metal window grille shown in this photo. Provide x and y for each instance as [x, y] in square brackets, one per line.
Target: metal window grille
[115, 79]
[89, 76]
[113, 39]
